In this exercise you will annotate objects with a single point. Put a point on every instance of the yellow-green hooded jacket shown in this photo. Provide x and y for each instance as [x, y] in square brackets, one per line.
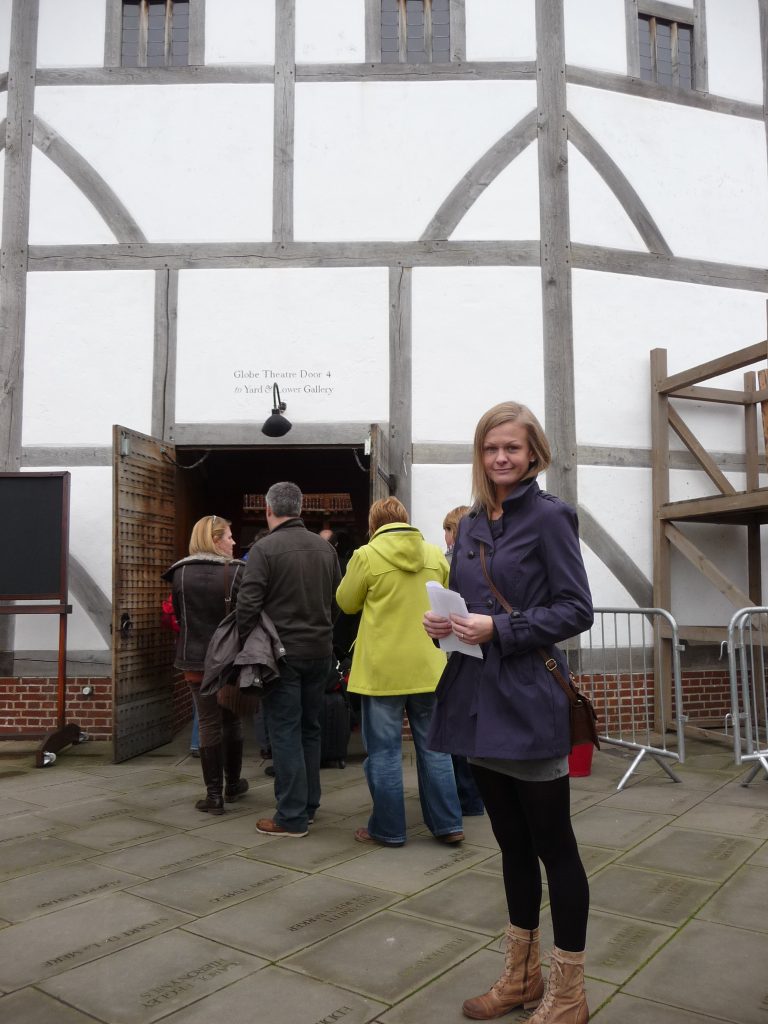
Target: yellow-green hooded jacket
[387, 579]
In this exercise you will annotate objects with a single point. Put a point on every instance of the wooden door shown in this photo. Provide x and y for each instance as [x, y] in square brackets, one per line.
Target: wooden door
[143, 547]
[380, 479]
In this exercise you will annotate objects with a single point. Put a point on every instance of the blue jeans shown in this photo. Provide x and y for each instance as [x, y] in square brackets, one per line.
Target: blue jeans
[194, 740]
[292, 711]
[382, 728]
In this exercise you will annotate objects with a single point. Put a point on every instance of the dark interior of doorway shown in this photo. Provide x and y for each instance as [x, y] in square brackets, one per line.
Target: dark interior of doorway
[216, 486]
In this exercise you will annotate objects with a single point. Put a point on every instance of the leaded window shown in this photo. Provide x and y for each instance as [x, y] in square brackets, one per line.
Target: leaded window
[666, 51]
[155, 33]
[415, 31]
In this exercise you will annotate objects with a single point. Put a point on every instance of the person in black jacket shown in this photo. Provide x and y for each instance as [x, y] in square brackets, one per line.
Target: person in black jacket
[292, 575]
[204, 588]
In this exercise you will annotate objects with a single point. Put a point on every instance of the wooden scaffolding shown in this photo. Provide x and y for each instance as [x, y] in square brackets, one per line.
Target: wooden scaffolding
[747, 508]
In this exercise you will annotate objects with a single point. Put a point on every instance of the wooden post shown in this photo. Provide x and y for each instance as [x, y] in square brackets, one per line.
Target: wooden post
[662, 585]
[400, 382]
[285, 101]
[754, 557]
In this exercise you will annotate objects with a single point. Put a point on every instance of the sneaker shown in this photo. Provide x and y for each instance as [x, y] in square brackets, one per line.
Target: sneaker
[268, 827]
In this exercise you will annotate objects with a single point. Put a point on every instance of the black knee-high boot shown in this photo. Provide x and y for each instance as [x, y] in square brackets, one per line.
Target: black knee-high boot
[211, 761]
[233, 763]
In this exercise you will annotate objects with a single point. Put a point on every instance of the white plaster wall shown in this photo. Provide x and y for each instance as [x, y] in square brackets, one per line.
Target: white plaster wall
[596, 215]
[509, 207]
[477, 340]
[618, 320]
[596, 34]
[733, 49]
[620, 500]
[311, 322]
[71, 33]
[41, 633]
[330, 32]
[59, 213]
[88, 355]
[702, 175]
[435, 490]
[191, 163]
[375, 160]
[240, 31]
[5, 33]
[501, 30]
[695, 601]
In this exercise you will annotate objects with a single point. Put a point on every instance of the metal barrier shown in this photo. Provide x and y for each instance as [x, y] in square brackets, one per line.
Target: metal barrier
[614, 664]
[747, 642]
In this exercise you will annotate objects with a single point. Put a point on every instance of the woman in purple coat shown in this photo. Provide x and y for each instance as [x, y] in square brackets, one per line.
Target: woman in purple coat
[508, 715]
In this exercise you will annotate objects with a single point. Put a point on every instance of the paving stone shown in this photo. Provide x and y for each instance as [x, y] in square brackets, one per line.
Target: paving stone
[649, 895]
[56, 888]
[115, 833]
[761, 857]
[184, 815]
[711, 761]
[473, 900]
[386, 957]
[163, 856]
[237, 830]
[48, 945]
[32, 1007]
[152, 979]
[623, 1009]
[741, 901]
[273, 994]
[441, 999]
[88, 812]
[477, 829]
[324, 846]
[130, 777]
[701, 854]
[161, 796]
[755, 795]
[657, 796]
[303, 913]
[616, 946]
[718, 817]
[615, 827]
[26, 826]
[347, 800]
[20, 857]
[208, 888]
[581, 801]
[733, 986]
[410, 868]
[10, 805]
[66, 793]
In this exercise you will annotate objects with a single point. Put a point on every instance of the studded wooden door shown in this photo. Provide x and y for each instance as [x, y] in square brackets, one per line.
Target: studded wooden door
[380, 485]
[143, 547]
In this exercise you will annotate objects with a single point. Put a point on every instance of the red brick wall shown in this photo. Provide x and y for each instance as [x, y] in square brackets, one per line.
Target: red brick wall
[28, 707]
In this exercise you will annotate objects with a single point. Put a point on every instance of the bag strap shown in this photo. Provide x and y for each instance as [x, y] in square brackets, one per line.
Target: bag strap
[228, 590]
[549, 662]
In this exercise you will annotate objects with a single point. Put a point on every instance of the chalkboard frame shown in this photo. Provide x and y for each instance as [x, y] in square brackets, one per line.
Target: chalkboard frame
[60, 516]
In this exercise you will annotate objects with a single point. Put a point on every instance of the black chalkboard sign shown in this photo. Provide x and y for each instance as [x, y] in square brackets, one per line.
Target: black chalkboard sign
[34, 533]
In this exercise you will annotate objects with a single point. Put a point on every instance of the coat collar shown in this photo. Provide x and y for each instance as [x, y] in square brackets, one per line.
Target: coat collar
[523, 494]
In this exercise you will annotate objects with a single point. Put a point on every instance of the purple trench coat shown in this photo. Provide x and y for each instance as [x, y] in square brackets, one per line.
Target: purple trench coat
[508, 705]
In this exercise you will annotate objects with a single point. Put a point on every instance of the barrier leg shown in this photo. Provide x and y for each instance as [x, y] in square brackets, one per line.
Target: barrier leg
[761, 762]
[629, 771]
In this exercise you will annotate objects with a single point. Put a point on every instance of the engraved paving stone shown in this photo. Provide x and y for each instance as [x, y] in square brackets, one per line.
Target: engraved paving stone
[742, 900]
[615, 827]
[48, 945]
[305, 912]
[329, 846]
[282, 996]
[25, 855]
[387, 956]
[57, 888]
[701, 854]
[117, 833]
[152, 979]
[165, 855]
[737, 990]
[200, 891]
[472, 900]
[649, 895]
[716, 817]
[31, 1007]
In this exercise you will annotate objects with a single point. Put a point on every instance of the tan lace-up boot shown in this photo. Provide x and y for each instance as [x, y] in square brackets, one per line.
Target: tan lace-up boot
[565, 1001]
[521, 984]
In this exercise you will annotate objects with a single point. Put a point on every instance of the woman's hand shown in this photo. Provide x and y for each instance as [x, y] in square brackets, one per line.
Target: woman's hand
[436, 626]
[473, 629]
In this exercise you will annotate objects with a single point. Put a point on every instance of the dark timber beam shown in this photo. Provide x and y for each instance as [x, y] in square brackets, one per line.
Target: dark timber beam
[400, 381]
[285, 104]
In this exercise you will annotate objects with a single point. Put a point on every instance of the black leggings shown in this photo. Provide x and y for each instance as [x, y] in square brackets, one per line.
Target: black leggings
[532, 820]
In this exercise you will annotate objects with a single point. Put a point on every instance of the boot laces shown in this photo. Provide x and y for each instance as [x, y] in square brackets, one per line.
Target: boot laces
[547, 1004]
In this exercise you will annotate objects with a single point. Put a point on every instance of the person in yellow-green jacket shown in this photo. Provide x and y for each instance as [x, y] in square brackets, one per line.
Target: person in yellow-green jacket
[395, 669]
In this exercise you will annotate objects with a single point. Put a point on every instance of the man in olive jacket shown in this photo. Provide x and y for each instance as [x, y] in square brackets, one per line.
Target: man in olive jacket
[292, 575]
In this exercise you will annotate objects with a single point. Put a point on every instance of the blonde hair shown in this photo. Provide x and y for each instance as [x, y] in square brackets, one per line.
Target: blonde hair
[386, 510]
[453, 518]
[483, 490]
[205, 533]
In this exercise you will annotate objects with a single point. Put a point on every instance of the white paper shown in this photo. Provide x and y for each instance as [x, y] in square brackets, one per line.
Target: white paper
[446, 603]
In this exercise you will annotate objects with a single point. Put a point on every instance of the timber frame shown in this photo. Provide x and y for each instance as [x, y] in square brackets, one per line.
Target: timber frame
[747, 508]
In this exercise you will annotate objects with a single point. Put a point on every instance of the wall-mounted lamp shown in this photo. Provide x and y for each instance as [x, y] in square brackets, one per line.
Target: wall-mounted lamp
[276, 425]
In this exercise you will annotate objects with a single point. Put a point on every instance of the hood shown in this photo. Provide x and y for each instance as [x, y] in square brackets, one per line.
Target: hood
[400, 545]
